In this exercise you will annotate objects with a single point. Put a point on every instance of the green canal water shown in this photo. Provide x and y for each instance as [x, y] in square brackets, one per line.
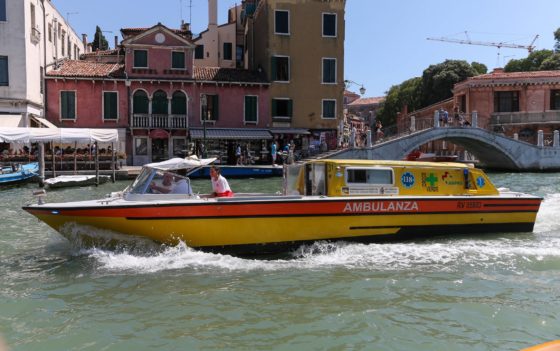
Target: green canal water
[491, 292]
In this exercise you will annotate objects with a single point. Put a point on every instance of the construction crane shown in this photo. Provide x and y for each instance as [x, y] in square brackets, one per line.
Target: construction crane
[499, 45]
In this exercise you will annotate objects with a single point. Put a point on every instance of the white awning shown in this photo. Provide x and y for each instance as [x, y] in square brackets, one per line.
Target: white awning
[10, 121]
[59, 135]
[44, 122]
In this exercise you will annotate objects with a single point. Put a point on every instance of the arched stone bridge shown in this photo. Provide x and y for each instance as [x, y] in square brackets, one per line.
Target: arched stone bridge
[493, 150]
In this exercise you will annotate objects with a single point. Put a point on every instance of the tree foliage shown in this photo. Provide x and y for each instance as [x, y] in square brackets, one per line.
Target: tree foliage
[436, 84]
[557, 38]
[533, 62]
[438, 80]
[406, 93]
[480, 68]
[99, 40]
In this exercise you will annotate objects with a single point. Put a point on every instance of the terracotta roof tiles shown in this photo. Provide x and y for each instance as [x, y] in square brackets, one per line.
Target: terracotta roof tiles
[81, 68]
[368, 101]
[226, 75]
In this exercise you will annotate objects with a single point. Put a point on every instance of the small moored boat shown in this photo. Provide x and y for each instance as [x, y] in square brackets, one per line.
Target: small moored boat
[18, 173]
[65, 181]
[352, 200]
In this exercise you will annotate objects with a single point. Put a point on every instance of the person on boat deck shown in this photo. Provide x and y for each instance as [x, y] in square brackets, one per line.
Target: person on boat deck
[220, 186]
[172, 184]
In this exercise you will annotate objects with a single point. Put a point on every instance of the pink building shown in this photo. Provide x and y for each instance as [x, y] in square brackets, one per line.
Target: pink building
[149, 89]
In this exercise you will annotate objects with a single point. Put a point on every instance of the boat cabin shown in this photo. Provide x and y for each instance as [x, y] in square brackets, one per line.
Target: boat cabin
[389, 178]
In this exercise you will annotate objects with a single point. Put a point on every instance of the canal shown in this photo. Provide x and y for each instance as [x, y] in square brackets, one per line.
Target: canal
[478, 292]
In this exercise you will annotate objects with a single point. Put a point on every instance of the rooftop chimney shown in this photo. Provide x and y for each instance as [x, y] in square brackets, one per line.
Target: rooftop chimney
[212, 12]
[116, 41]
[84, 41]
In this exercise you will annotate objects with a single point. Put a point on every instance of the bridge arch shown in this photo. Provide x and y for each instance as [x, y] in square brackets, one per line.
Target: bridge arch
[493, 150]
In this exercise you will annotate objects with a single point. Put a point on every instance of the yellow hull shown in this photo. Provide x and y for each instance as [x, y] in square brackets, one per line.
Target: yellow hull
[221, 232]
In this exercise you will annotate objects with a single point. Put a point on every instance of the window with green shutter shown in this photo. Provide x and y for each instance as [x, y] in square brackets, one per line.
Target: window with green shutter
[179, 103]
[329, 70]
[251, 109]
[329, 109]
[178, 60]
[4, 77]
[110, 105]
[68, 105]
[141, 58]
[140, 102]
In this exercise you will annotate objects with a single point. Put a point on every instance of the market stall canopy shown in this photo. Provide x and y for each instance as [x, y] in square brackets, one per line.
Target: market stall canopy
[59, 135]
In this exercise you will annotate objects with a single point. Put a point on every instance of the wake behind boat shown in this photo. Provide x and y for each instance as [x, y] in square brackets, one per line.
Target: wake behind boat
[353, 200]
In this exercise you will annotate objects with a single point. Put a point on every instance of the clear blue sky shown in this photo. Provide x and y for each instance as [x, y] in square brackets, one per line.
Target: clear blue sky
[385, 40]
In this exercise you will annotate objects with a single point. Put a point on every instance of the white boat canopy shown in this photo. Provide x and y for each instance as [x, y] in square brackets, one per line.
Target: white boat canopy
[181, 163]
[59, 135]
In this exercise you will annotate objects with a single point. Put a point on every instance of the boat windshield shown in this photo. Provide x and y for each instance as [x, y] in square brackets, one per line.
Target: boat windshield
[141, 182]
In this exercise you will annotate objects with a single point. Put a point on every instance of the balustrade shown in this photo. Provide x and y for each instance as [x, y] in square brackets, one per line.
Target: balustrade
[161, 121]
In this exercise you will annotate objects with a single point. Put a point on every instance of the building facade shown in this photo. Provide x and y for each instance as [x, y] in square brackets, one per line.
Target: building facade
[33, 37]
[513, 103]
[161, 103]
[221, 45]
[299, 46]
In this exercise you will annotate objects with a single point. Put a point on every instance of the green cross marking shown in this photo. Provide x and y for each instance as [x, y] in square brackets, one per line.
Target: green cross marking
[432, 179]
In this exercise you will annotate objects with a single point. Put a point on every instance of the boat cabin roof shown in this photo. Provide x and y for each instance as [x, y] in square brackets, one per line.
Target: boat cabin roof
[392, 163]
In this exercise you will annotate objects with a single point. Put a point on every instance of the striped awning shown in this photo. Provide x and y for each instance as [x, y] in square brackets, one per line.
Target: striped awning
[231, 133]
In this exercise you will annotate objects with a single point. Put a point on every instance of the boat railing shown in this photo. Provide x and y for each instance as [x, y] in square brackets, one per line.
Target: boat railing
[257, 197]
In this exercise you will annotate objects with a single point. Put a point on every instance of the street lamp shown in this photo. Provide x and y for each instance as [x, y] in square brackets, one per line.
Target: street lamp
[204, 102]
[348, 83]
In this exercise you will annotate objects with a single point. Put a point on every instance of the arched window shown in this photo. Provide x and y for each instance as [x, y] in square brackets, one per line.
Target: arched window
[140, 102]
[179, 103]
[159, 103]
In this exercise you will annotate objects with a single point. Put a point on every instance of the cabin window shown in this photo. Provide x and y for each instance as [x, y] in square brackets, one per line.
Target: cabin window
[369, 176]
[315, 179]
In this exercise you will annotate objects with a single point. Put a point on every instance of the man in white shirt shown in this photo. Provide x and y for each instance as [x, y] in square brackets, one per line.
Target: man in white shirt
[220, 185]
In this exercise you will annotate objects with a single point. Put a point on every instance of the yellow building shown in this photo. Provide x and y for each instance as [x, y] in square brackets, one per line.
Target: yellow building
[299, 46]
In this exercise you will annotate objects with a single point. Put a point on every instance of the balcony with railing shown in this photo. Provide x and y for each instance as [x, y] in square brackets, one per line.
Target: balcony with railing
[159, 121]
[511, 118]
[35, 35]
